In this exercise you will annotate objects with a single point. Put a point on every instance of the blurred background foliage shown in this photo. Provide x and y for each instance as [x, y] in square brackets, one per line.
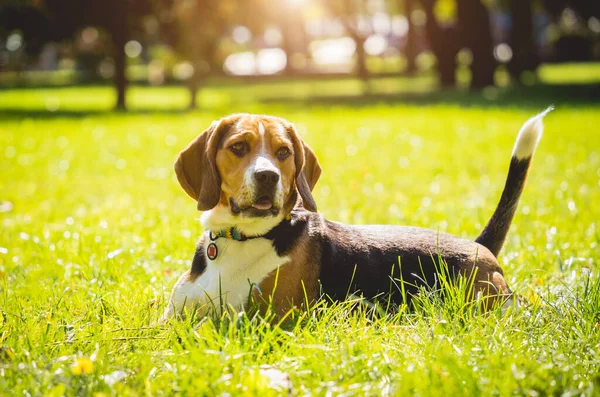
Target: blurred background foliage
[469, 44]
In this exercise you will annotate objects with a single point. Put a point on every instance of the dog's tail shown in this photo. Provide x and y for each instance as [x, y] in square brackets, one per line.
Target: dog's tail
[495, 231]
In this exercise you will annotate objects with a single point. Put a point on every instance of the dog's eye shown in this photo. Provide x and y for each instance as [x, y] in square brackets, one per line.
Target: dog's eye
[283, 153]
[239, 149]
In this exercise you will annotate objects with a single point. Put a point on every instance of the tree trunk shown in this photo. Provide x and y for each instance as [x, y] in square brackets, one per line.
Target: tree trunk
[193, 86]
[287, 47]
[475, 33]
[521, 40]
[120, 75]
[294, 39]
[361, 62]
[447, 70]
[193, 97]
[361, 59]
[410, 50]
[444, 44]
[119, 34]
[287, 42]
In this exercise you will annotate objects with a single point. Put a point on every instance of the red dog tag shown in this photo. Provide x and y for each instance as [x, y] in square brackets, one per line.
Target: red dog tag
[212, 251]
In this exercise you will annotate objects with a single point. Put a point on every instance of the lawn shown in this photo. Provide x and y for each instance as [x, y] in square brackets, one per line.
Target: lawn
[95, 230]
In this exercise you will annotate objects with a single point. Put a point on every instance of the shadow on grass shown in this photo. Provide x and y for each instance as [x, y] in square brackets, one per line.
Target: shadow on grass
[7, 113]
[534, 98]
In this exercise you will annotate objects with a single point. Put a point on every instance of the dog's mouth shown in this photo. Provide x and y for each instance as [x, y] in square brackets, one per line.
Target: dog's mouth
[261, 207]
[263, 203]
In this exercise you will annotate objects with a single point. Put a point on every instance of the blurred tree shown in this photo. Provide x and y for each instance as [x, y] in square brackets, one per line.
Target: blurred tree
[444, 42]
[349, 13]
[472, 30]
[294, 40]
[27, 19]
[521, 39]
[410, 50]
[287, 18]
[194, 29]
[585, 8]
[290, 22]
[475, 33]
[120, 18]
[574, 43]
[42, 21]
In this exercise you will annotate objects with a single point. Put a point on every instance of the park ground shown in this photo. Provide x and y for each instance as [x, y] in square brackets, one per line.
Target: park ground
[94, 230]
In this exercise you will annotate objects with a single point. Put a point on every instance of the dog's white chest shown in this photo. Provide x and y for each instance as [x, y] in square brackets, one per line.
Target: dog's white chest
[229, 277]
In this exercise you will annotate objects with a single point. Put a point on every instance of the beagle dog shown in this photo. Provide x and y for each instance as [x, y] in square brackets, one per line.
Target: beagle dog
[265, 241]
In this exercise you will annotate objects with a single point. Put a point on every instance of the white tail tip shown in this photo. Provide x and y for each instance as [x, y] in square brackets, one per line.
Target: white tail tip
[530, 135]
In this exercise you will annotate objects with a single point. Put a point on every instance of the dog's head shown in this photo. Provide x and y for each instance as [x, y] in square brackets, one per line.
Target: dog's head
[255, 166]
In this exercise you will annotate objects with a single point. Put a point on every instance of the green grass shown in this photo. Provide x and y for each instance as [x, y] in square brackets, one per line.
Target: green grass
[100, 230]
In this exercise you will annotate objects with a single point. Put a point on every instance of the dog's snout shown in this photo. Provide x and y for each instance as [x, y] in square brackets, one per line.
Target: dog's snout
[266, 178]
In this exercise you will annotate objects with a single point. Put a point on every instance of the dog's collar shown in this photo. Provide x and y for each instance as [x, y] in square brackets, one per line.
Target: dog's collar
[233, 233]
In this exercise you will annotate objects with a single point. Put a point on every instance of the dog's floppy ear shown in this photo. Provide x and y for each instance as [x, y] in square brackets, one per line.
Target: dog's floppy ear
[308, 169]
[196, 168]
[312, 168]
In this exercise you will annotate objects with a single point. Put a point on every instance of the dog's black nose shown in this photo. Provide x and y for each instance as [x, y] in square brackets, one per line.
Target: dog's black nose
[266, 178]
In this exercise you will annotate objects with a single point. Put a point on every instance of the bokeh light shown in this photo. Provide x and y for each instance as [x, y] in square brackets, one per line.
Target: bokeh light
[14, 42]
[503, 53]
[133, 49]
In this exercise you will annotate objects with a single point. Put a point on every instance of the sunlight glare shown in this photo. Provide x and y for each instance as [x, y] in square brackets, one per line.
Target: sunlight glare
[271, 60]
[241, 63]
[333, 51]
[376, 44]
[241, 34]
[266, 61]
[296, 3]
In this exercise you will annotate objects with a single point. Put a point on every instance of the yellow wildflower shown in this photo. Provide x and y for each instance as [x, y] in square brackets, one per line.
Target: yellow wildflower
[83, 365]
